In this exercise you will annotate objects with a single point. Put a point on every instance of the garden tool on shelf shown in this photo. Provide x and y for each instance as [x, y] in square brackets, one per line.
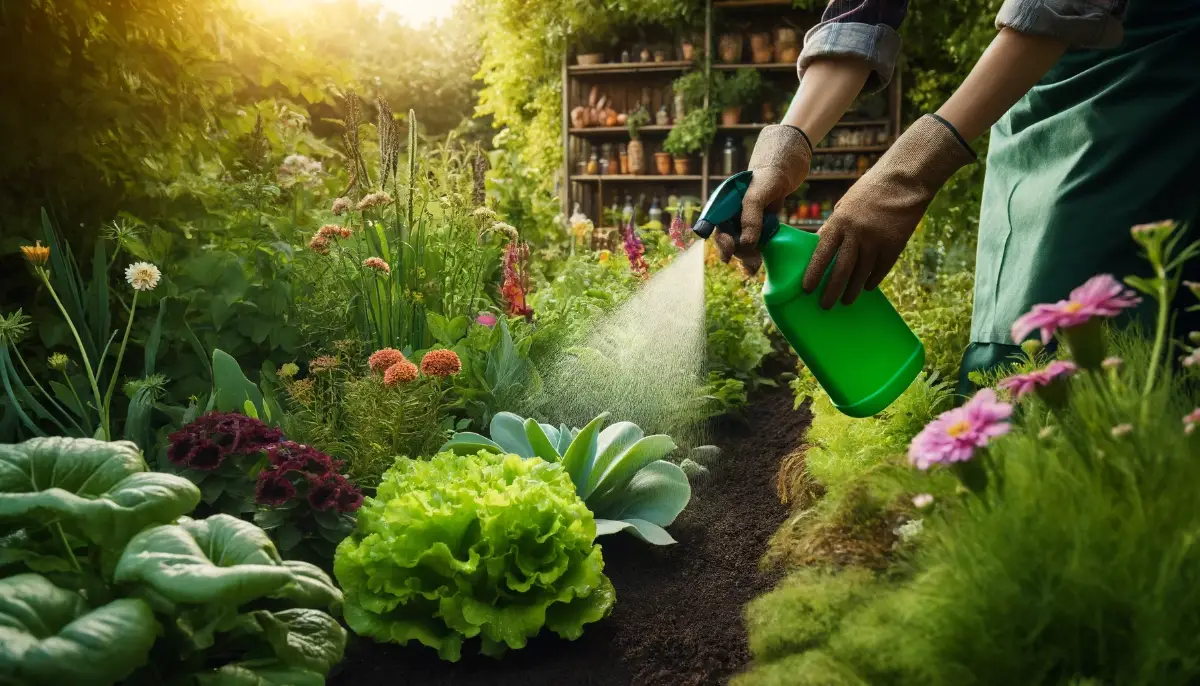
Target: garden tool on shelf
[863, 355]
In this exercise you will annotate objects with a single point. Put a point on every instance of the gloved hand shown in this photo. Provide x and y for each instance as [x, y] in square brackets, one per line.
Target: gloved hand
[871, 224]
[780, 164]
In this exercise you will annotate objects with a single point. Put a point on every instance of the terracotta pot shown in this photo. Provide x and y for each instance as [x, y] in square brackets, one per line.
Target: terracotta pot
[687, 51]
[763, 56]
[768, 112]
[788, 54]
[730, 46]
[637, 157]
[683, 166]
[662, 163]
[760, 41]
[730, 116]
[589, 58]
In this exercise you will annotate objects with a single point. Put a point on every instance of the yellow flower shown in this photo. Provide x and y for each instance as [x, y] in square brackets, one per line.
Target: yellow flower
[37, 255]
[604, 254]
[58, 361]
[288, 370]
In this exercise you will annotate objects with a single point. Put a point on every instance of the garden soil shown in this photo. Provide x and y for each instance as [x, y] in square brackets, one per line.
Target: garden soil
[678, 615]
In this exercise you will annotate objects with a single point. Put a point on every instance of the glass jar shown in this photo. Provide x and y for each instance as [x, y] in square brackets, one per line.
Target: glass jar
[593, 165]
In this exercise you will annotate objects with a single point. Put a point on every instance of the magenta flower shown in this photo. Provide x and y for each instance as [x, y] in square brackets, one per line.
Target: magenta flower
[635, 250]
[323, 493]
[273, 488]
[956, 434]
[486, 319]
[1101, 296]
[1021, 384]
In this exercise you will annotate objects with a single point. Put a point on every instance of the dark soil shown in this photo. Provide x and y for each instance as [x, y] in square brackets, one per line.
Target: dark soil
[678, 616]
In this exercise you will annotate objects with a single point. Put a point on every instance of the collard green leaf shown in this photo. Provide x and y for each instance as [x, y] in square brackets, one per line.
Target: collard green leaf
[48, 636]
[96, 489]
[508, 430]
[471, 443]
[305, 639]
[647, 531]
[311, 587]
[657, 494]
[581, 454]
[610, 445]
[219, 560]
[621, 470]
[540, 442]
[259, 673]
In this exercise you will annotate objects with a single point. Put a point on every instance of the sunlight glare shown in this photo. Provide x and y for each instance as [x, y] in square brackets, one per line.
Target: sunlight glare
[415, 13]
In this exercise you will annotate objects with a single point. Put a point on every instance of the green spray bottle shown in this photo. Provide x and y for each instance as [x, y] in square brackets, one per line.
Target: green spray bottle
[863, 355]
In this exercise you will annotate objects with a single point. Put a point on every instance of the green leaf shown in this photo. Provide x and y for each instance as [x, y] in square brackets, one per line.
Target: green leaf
[137, 418]
[647, 531]
[580, 457]
[508, 430]
[271, 673]
[48, 635]
[540, 443]
[447, 332]
[622, 470]
[610, 445]
[98, 490]
[219, 560]
[231, 389]
[153, 340]
[307, 639]
[470, 443]
[657, 494]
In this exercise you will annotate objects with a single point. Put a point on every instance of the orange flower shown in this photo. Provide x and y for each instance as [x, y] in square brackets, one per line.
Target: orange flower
[382, 360]
[319, 244]
[400, 373]
[37, 255]
[441, 363]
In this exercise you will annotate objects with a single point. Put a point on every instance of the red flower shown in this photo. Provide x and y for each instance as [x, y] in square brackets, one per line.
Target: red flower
[293, 457]
[516, 279]
[381, 360]
[323, 494]
[349, 498]
[400, 373]
[441, 363]
[205, 456]
[273, 488]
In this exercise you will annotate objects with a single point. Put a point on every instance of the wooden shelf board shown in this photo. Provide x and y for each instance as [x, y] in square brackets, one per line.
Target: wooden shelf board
[769, 66]
[641, 178]
[741, 4]
[610, 130]
[629, 67]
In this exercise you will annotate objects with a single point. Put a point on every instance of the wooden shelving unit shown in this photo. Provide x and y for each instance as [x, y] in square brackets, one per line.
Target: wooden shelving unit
[626, 84]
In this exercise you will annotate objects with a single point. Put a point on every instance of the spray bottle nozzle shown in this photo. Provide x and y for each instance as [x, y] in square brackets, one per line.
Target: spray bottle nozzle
[723, 212]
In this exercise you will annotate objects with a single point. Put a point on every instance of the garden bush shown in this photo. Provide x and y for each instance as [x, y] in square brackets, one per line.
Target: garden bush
[463, 546]
[103, 579]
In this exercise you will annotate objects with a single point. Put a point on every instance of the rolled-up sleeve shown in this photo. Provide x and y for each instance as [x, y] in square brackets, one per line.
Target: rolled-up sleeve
[864, 29]
[1081, 23]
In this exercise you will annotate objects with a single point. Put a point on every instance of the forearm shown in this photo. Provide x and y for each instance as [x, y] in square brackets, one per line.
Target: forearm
[827, 90]
[1012, 64]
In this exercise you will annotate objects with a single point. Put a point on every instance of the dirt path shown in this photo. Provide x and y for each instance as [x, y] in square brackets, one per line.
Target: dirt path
[677, 621]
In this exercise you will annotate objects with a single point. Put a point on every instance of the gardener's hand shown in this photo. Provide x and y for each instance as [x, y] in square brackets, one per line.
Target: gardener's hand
[871, 224]
[780, 164]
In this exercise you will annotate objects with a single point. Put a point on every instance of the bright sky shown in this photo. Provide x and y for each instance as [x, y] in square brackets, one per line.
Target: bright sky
[418, 12]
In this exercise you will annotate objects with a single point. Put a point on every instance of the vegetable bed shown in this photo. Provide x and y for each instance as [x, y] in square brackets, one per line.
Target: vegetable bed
[678, 616]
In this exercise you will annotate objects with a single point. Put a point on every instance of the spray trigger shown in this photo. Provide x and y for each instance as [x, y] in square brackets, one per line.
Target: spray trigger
[723, 211]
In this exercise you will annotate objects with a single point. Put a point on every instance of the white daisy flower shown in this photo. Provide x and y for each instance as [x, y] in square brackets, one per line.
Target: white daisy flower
[143, 276]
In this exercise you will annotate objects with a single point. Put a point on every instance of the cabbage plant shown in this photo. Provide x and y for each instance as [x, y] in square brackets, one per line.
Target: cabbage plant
[477, 545]
[618, 472]
[103, 578]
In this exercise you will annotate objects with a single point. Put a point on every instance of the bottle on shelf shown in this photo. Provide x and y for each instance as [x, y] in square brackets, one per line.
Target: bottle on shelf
[729, 157]
[663, 118]
[606, 152]
[656, 212]
[593, 165]
[627, 211]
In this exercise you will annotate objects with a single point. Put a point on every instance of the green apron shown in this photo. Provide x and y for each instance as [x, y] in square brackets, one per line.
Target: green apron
[1108, 139]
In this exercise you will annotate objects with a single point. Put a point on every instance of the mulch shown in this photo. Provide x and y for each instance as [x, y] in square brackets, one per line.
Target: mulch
[678, 616]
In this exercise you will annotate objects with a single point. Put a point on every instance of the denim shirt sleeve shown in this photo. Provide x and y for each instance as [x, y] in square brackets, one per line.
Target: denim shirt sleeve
[1081, 23]
[865, 29]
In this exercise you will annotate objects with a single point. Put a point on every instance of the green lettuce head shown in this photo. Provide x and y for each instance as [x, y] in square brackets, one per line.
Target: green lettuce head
[482, 544]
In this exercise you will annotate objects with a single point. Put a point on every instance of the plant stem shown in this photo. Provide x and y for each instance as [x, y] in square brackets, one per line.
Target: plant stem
[120, 356]
[62, 539]
[1160, 338]
[38, 385]
[87, 365]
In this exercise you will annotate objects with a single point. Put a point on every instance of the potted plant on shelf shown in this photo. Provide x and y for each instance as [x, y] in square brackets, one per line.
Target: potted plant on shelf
[761, 51]
[730, 93]
[636, 152]
[730, 48]
[687, 48]
[693, 134]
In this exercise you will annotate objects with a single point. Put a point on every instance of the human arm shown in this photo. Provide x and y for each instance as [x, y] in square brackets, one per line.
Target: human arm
[874, 220]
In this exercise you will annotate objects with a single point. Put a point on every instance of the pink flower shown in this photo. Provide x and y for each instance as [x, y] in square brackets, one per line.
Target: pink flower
[1191, 420]
[956, 434]
[1192, 359]
[400, 373]
[677, 230]
[1112, 362]
[377, 264]
[1101, 296]
[486, 319]
[1020, 384]
[381, 360]
[319, 244]
[635, 251]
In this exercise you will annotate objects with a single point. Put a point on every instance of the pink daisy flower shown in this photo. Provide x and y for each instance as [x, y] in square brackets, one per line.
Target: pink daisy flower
[956, 434]
[1101, 296]
[1021, 384]
[486, 319]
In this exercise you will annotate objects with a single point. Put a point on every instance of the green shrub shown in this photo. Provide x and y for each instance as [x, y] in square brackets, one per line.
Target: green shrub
[103, 578]
[459, 546]
[737, 323]
[618, 472]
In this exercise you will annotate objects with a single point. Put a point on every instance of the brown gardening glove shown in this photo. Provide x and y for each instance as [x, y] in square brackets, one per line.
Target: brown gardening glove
[871, 223]
[780, 164]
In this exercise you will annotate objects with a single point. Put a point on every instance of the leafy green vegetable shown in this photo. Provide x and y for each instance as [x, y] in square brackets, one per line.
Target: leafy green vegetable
[618, 472]
[468, 545]
[97, 490]
[48, 635]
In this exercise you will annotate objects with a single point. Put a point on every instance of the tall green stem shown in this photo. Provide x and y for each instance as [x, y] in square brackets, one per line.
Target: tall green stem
[1160, 337]
[87, 365]
[120, 356]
